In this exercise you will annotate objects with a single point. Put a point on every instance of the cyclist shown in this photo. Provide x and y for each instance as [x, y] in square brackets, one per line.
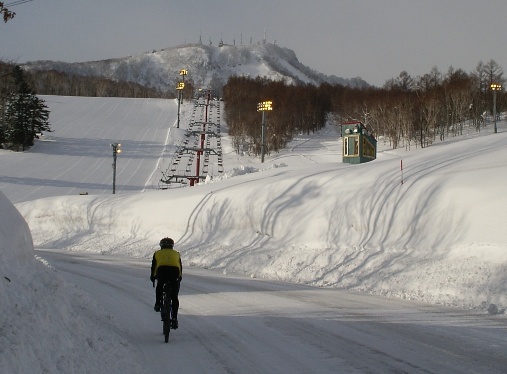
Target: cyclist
[166, 267]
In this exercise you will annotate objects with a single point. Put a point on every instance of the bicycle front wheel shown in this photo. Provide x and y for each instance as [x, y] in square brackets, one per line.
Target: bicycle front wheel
[167, 328]
[166, 318]
[166, 312]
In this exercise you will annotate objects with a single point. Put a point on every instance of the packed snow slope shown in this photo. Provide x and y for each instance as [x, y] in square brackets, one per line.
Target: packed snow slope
[76, 158]
[304, 216]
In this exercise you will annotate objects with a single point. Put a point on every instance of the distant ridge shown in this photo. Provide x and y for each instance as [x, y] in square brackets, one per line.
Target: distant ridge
[207, 65]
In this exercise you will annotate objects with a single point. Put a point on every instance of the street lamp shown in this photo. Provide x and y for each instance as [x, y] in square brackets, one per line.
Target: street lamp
[183, 73]
[116, 150]
[495, 87]
[262, 107]
[179, 87]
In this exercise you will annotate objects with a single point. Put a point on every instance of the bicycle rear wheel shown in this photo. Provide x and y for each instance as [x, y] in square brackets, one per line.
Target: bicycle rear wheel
[167, 329]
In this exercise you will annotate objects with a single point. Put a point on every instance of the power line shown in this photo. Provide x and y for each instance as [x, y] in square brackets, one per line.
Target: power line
[18, 2]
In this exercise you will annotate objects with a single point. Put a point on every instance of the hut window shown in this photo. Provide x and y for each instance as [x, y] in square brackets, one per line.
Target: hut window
[351, 146]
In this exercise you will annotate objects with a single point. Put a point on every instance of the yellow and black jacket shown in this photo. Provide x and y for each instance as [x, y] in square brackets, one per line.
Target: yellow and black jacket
[166, 259]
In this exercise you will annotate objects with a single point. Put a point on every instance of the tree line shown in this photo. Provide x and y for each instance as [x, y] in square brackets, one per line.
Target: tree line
[51, 82]
[410, 111]
[301, 108]
[406, 111]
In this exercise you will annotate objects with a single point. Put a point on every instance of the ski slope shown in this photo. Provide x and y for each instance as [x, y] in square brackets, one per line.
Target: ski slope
[77, 156]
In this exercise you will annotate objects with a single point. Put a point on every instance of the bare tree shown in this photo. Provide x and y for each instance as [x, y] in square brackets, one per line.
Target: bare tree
[6, 13]
[480, 77]
[494, 73]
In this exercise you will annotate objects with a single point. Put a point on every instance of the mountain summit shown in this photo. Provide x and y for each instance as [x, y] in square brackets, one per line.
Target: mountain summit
[207, 65]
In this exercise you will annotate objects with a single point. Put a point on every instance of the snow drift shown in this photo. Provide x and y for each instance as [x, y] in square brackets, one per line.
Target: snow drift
[41, 314]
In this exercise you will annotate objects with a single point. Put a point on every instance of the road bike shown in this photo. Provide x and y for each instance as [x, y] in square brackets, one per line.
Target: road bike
[166, 311]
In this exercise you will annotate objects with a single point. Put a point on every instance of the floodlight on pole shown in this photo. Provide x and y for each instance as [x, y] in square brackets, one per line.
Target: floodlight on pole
[183, 73]
[179, 87]
[495, 87]
[263, 107]
[116, 150]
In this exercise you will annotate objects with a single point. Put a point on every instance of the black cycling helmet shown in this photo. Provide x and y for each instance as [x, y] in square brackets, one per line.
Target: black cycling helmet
[166, 243]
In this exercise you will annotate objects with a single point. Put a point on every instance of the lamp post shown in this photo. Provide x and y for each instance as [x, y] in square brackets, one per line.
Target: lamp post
[495, 87]
[179, 87]
[183, 73]
[263, 107]
[116, 150]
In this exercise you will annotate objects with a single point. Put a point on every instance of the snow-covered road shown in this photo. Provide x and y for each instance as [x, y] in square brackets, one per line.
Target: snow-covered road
[234, 324]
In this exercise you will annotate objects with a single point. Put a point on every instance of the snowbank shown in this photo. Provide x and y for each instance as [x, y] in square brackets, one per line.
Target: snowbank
[46, 324]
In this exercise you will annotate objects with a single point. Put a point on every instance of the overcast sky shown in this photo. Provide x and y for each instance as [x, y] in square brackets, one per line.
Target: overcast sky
[372, 39]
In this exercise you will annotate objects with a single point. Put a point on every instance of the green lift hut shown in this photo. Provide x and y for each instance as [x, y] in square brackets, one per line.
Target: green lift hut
[359, 144]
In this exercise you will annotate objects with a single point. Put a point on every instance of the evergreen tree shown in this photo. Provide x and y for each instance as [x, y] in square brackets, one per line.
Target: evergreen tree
[2, 121]
[25, 115]
[39, 116]
[16, 121]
